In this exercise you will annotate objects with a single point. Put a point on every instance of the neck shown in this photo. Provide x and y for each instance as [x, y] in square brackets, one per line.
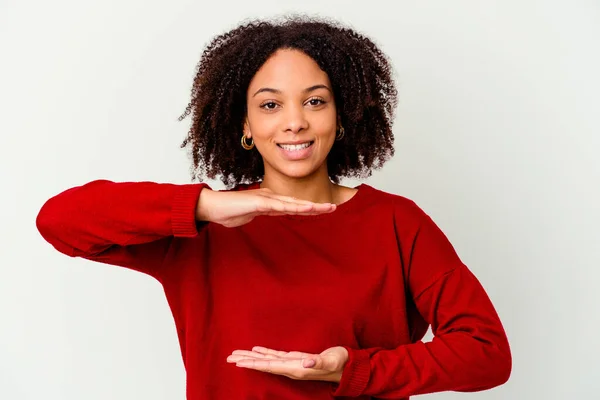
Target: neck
[316, 187]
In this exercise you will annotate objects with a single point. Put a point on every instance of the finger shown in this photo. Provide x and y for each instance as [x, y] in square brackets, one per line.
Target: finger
[282, 354]
[308, 208]
[299, 354]
[269, 352]
[290, 208]
[317, 212]
[328, 362]
[234, 358]
[272, 205]
[319, 362]
[310, 363]
[276, 213]
[248, 353]
[289, 199]
[278, 366]
[317, 208]
[294, 200]
[322, 208]
[312, 212]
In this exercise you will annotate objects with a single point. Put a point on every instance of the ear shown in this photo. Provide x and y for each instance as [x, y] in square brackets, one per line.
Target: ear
[246, 129]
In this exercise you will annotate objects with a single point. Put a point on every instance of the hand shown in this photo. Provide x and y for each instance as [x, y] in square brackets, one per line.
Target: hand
[235, 208]
[327, 366]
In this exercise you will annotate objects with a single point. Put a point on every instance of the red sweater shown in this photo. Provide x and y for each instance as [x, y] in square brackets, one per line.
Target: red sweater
[371, 276]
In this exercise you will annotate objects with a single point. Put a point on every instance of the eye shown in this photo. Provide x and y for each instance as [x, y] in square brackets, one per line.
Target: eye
[316, 101]
[269, 105]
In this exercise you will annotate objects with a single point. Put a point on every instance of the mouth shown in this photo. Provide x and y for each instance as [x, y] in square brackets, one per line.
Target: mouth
[296, 151]
[295, 147]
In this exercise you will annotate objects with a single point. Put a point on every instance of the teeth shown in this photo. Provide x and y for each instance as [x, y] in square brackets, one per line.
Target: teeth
[295, 147]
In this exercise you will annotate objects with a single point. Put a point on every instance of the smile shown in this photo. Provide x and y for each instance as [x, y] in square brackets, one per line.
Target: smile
[295, 147]
[296, 151]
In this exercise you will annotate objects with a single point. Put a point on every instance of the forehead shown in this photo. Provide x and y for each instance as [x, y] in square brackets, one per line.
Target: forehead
[289, 70]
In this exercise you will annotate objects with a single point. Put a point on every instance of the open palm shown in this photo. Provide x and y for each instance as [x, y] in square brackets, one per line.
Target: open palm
[326, 366]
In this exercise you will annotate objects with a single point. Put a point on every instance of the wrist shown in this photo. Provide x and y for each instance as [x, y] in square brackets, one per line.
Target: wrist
[336, 377]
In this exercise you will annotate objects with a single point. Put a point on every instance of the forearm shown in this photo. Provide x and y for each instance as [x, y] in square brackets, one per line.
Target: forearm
[202, 212]
[469, 352]
[88, 218]
[456, 362]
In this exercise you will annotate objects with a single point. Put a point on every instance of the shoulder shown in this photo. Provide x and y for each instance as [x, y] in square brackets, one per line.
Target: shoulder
[400, 205]
[409, 218]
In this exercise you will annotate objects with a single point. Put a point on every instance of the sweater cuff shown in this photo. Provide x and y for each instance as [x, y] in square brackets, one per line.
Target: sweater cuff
[183, 209]
[355, 375]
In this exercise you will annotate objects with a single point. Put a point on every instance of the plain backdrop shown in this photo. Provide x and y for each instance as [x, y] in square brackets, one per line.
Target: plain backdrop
[497, 138]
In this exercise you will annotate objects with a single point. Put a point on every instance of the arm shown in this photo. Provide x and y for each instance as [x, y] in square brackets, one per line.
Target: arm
[130, 224]
[469, 352]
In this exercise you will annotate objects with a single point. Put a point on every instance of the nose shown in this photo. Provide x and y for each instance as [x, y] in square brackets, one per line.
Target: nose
[295, 120]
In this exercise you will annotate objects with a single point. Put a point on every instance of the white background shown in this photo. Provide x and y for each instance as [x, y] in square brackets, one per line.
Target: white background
[497, 137]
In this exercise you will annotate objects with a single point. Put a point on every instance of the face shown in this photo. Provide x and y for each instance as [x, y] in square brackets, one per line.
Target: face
[291, 115]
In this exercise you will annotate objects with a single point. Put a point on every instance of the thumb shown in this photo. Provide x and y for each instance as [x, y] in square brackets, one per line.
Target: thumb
[319, 362]
[310, 362]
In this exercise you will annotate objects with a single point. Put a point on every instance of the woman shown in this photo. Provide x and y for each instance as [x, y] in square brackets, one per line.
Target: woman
[288, 285]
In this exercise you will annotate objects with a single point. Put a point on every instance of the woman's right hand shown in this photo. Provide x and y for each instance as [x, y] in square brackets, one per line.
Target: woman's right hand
[235, 208]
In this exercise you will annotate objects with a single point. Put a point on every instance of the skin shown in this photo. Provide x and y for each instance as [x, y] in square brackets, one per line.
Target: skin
[326, 366]
[281, 109]
[290, 99]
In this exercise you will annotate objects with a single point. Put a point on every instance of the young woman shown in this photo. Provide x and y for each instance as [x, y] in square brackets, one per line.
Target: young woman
[288, 285]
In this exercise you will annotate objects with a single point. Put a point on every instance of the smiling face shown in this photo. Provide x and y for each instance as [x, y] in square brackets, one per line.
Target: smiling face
[291, 115]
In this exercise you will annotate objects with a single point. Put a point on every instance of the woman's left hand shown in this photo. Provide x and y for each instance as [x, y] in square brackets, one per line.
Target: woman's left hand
[327, 366]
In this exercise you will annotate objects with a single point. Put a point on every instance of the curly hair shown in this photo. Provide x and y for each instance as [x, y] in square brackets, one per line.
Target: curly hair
[362, 83]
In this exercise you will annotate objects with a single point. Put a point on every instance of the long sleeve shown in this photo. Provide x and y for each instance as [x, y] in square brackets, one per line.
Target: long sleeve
[469, 351]
[129, 224]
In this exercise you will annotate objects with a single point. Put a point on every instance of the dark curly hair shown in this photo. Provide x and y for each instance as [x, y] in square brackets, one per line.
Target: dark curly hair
[362, 83]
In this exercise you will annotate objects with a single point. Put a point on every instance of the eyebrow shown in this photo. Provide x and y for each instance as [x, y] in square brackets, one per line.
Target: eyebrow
[307, 90]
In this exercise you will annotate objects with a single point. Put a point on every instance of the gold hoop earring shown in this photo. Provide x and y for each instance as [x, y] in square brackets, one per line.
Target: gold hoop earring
[245, 145]
[340, 133]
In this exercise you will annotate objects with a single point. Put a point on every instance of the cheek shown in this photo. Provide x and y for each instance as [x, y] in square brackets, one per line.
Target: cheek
[262, 126]
[324, 121]
[325, 129]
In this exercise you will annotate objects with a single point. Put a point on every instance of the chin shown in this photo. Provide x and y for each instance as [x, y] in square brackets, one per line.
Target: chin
[297, 171]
